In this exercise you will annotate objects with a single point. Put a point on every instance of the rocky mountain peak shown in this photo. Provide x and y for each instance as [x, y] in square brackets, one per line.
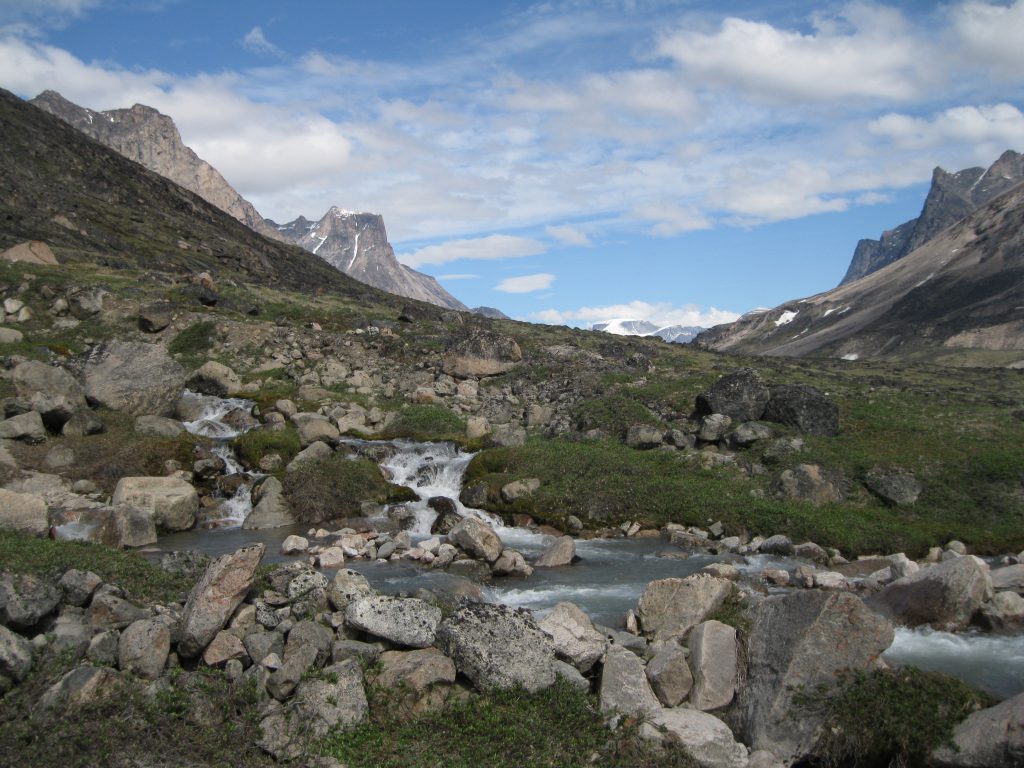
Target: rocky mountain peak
[953, 196]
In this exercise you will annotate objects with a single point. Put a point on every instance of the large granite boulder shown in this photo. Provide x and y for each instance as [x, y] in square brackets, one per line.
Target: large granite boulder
[669, 674]
[562, 551]
[498, 647]
[481, 353]
[991, 738]
[477, 538]
[15, 657]
[802, 639]
[706, 738]
[26, 599]
[52, 392]
[133, 377]
[624, 686]
[213, 378]
[404, 621]
[944, 595]
[671, 607]
[741, 395]
[216, 596]
[804, 408]
[24, 512]
[26, 427]
[713, 658]
[573, 636]
[270, 507]
[143, 648]
[171, 501]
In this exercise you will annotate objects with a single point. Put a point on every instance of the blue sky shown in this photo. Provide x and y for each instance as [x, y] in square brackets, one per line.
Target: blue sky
[677, 161]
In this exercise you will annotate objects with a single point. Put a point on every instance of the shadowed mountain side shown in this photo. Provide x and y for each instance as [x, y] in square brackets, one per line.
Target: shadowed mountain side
[91, 204]
[955, 298]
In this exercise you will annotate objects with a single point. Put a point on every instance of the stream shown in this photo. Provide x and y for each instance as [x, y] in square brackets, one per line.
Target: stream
[606, 582]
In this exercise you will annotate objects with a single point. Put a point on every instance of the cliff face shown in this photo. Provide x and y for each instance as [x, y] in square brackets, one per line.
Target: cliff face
[357, 244]
[952, 197]
[151, 139]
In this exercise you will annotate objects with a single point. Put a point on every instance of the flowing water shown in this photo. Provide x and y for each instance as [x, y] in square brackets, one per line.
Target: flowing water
[606, 582]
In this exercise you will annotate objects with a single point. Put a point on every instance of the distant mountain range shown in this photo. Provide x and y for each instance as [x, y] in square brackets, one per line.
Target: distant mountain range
[353, 243]
[957, 298]
[679, 334]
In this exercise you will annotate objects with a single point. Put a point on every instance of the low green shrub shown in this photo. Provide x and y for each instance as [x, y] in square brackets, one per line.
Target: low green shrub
[336, 487]
[426, 422]
[197, 339]
[890, 717]
[556, 728]
[256, 443]
[613, 414]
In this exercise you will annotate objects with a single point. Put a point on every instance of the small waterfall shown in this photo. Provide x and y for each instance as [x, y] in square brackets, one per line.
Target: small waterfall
[210, 423]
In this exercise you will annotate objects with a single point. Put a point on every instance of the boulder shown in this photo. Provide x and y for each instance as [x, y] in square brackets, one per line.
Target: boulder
[944, 595]
[497, 646]
[155, 318]
[1003, 613]
[133, 377]
[511, 563]
[644, 437]
[216, 596]
[312, 452]
[624, 687]
[213, 378]
[10, 336]
[713, 659]
[122, 526]
[294, 545]
[171, 501]
[895, 487]
[313, 634]
[477, 538]
[518, 489]
[777, 545]
[283, 680]
[671, 607]
[80, 686]
[347, 586]
[224, 647]
[143, 648]
[990, 738]
[481, 353]
[804, 408]
[573, 636]
[748, 434]
[562, 551]
[740, 395]
[27, 427]
[158, 426]
[15, 656]
[713, 427]
[52, 392]
[313, 427]
[24, 512]
[811, 482]
[271, 509]
[78, 586]
[801, 639]
[447, 513]
[706, 738]
[403, 621]
[83, 423]
[423, 676]
[1009, 578]
[669, 674]
[26, 599]
[30, 252]
[108, 611]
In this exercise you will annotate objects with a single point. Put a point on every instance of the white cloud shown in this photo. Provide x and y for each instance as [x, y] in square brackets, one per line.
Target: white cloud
[660, 313]
[256, 42]
[1000, 125]
[566, 234]
[458, 277]
[490, 248]
[991, 34]
[671, 219]
[791, 191]
[867, 52]
[526, 284]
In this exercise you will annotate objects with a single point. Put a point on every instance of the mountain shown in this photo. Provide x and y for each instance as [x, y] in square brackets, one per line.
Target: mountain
[491, 312]
[958, 299]
[357, 244]
[952, 197]
[151, 139]
[680, 334]
[93, 205]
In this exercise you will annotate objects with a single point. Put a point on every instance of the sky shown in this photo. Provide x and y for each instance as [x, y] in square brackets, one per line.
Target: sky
[678, 161]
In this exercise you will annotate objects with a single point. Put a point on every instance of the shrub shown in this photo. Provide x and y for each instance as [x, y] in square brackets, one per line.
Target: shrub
[194, 340]
[613, 414]
[336, 487]
[256, 443]
[427, 422]
[890, 717]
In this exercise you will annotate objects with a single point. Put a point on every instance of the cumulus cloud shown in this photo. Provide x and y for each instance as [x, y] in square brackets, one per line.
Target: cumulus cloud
[256, 42]
[991, 34]
[526, 283]
[867, 52]
[660, 313]
[997, 124]
[566, 234]
[490, 248]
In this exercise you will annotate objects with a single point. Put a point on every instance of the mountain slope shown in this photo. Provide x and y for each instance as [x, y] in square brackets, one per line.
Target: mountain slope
[680, 334]
[357, 244]
[952, 197]
[151, 139]
[91, 204]
[958, 299]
